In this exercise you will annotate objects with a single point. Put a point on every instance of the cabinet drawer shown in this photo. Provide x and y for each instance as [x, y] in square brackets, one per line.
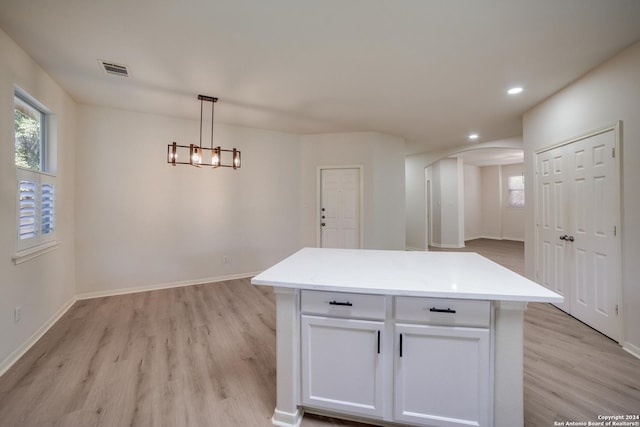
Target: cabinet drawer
[341, 304]
[449, 312]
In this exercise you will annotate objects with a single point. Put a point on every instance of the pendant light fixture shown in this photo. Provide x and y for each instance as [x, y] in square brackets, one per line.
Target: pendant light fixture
[197, 155]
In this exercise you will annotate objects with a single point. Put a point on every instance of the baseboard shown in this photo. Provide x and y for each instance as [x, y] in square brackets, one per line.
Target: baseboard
[631, 349]
[287, 419]
[20, 351]
[491, 237]
[514, 239]
[155, 287]
[447, 245]
[411, 248]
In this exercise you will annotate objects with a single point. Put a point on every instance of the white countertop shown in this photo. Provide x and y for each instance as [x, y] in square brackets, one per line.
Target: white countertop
[462, 275]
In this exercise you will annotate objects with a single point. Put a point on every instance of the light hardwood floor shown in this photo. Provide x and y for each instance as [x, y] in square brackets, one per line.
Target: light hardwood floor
[205, 356]
[571, 372]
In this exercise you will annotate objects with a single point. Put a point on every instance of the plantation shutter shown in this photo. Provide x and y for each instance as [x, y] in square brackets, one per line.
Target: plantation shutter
[46, 209]
[28, 209]
[36, 209]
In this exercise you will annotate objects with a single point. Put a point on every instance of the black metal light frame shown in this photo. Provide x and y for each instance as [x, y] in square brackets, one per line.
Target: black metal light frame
[196, 152]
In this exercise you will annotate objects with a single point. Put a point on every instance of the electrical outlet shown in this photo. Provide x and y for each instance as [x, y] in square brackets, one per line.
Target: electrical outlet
[17, 314]
[225, 259]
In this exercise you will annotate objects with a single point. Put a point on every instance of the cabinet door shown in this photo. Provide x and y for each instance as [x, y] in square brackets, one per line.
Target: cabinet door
[442, 375]
[342, 365]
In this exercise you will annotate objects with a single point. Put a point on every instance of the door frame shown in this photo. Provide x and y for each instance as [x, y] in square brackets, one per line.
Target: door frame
[616, 127]
[319, 199]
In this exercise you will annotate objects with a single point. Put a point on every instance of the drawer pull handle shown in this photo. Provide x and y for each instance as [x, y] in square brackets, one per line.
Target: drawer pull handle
[348, 304]
[441, 310]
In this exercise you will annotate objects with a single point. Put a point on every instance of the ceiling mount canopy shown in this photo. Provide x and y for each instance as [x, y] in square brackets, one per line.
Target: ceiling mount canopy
[197, 155]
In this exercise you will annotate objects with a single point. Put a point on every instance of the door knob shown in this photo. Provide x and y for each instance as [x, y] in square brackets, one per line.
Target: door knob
[323, 224]
[570, 238]
[565, 237]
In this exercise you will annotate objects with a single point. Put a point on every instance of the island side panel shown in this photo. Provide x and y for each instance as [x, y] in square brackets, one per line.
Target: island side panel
[287, 412]
[509, 363]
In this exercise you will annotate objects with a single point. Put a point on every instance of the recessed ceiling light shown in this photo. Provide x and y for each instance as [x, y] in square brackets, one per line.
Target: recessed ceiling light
[474, 136]
[515, 90]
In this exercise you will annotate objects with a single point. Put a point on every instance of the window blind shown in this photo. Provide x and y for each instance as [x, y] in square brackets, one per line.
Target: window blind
[28, 209]
[46, 208]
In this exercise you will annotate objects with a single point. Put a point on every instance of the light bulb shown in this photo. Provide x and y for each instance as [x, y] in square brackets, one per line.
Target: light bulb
[195, 157]
[236, 159]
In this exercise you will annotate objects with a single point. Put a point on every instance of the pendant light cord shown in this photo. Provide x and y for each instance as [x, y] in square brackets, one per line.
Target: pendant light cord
[213, 104]
[201, 102]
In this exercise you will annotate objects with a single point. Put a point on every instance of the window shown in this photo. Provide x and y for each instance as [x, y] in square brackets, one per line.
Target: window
[516, 191]
[30, 132]
[36, 185]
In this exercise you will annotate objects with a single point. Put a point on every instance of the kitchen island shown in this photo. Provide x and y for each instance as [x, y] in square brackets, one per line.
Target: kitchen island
[397, 337]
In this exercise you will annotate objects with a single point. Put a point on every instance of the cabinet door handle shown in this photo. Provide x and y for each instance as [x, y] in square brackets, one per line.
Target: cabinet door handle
[348, 304]
[378, 342]
[441, 310]
[400, 345]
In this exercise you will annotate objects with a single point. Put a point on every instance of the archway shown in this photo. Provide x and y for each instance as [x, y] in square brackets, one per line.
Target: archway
[417, 187]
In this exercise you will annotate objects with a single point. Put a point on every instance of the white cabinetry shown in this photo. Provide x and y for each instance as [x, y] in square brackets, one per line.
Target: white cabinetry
[341, 365]
[442, 372]
[342, 362]
[441, 368]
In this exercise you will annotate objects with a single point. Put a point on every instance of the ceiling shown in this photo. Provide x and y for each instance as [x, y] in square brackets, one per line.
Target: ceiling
[430, 71]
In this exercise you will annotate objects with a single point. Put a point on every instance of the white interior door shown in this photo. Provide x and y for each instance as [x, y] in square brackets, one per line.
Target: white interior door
[593, 218]
[340, 208]
[578, 211]
[552, 220]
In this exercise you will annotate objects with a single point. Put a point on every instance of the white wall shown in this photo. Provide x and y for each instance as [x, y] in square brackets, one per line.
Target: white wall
[491, 202]
[389, 193]
[382, 159]
[435, 228]
[499, 220]
[45, 285]
[472, 202]
[447, 203]
[512, 218]
[609, 93]
[142, 222]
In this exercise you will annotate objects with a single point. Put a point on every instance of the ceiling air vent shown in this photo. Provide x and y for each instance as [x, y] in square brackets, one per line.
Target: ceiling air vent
[114, 69]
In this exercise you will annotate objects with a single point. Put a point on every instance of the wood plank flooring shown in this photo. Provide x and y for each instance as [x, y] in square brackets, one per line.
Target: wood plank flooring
[571, 372]
[205, 356]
